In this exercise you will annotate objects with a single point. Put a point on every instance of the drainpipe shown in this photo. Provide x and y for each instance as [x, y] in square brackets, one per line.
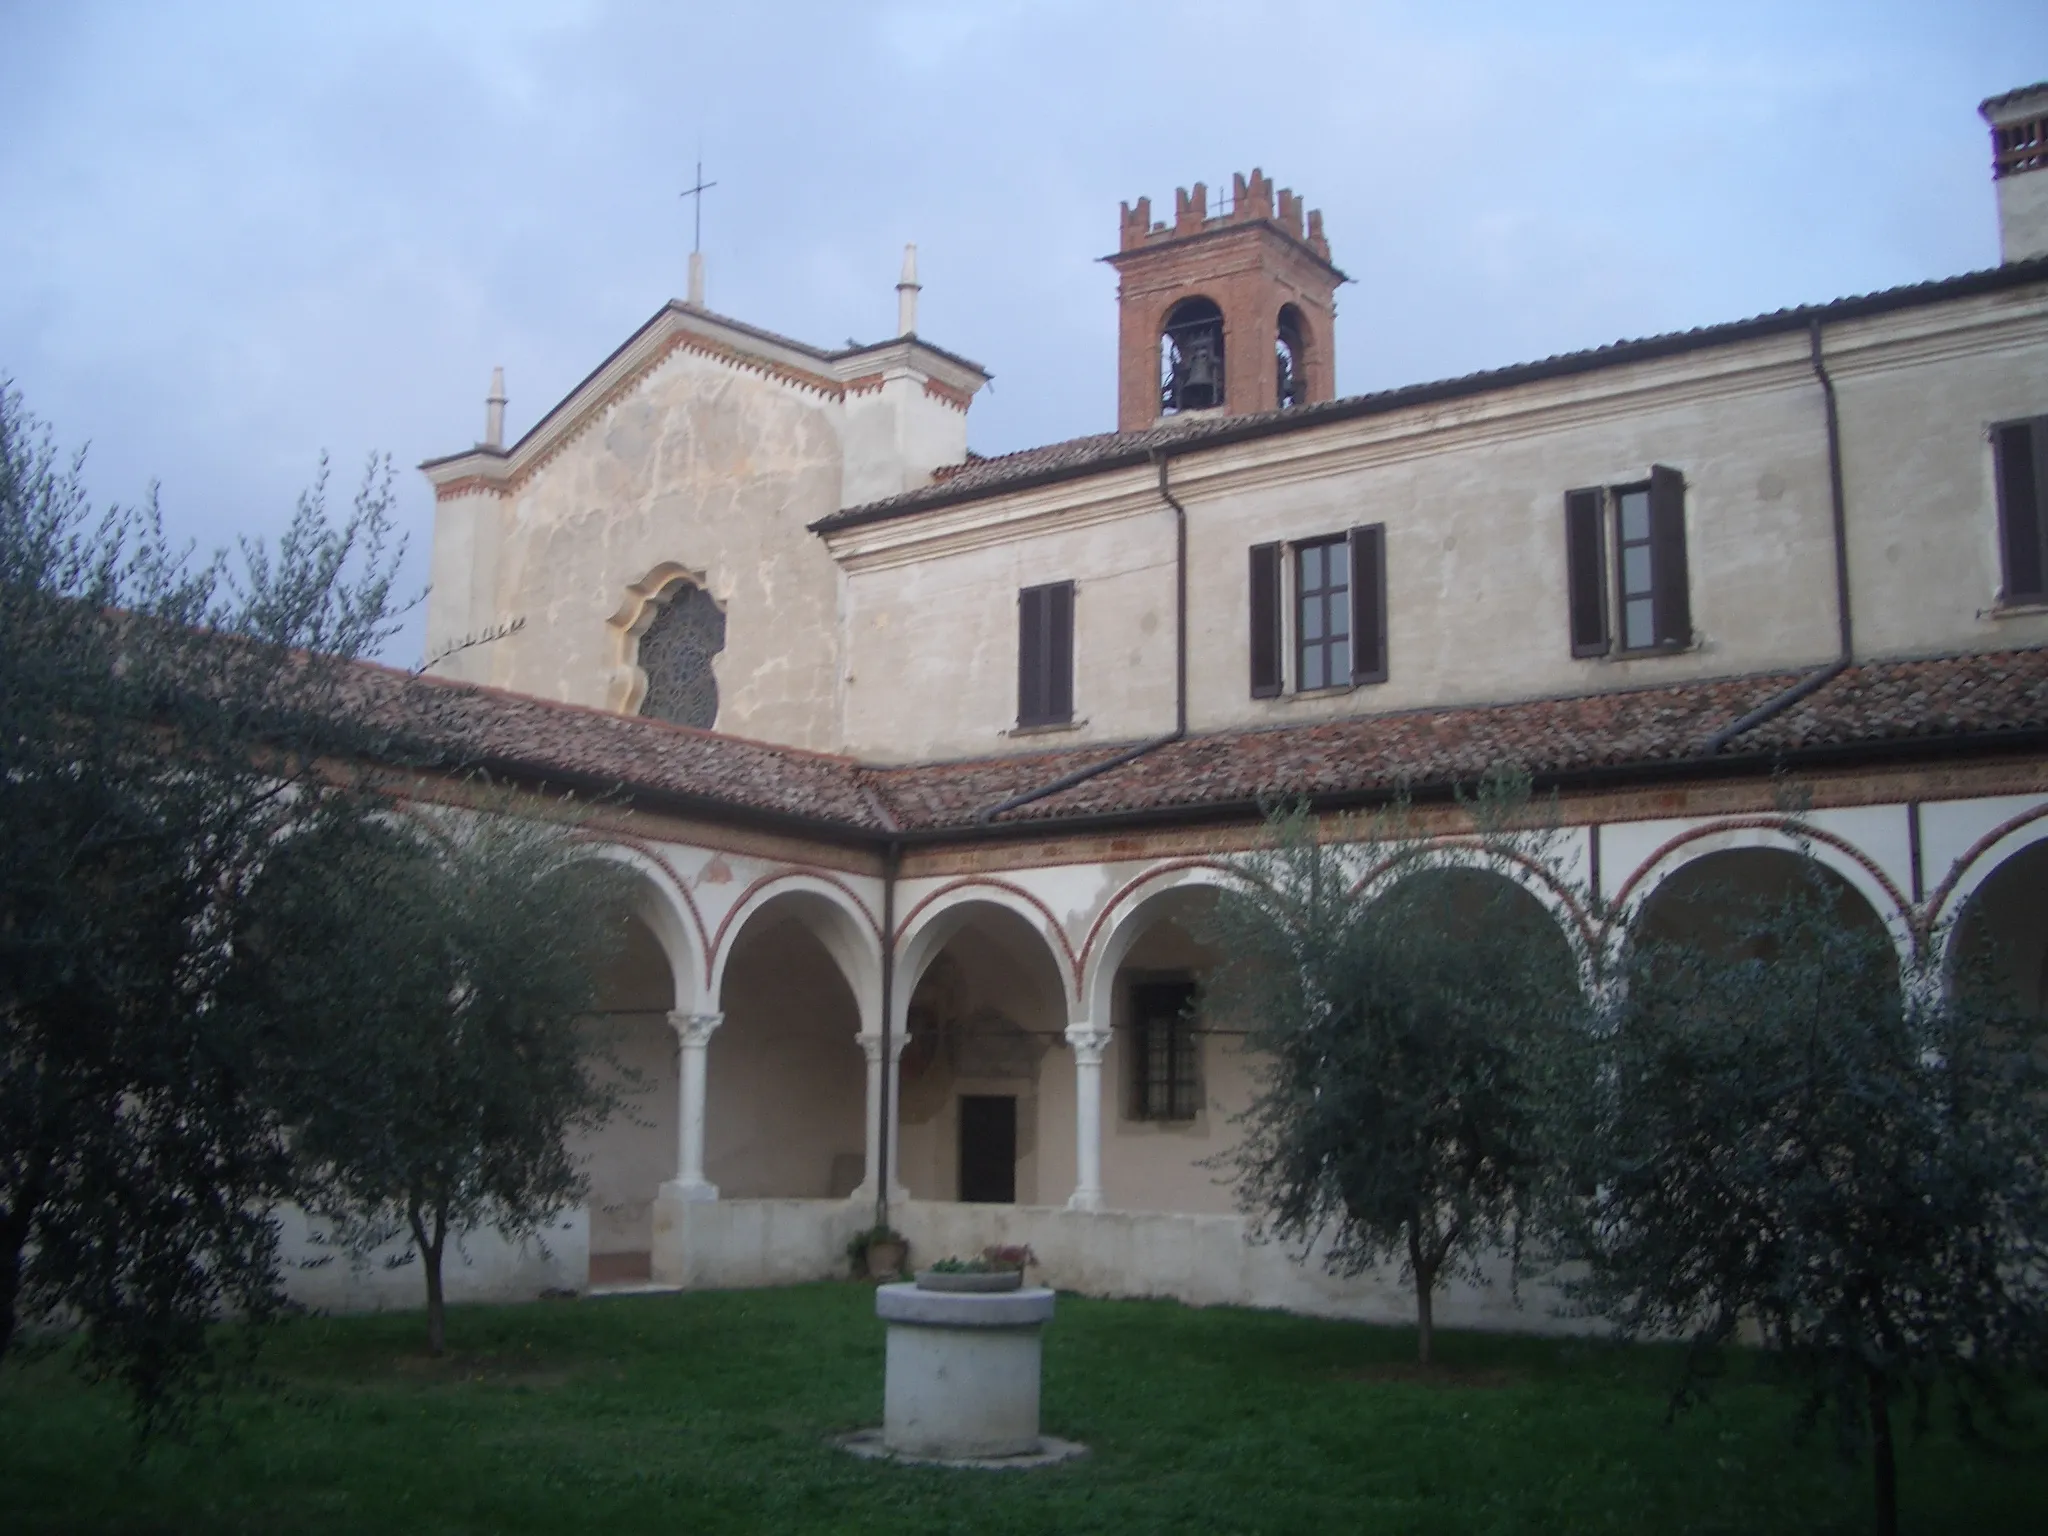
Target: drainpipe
[1180, 671]
[1846, 631]
[892, 861]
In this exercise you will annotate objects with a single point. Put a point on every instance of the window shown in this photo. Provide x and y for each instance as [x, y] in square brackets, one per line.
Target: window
[1339, 612]
[1045, 654]
[1165, 1084]
[2020, 453]
[676, 651]
[1645, 525]
[1322, 608]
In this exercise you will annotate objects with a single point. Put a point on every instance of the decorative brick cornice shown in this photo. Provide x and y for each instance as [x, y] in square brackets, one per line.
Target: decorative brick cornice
[944, 393]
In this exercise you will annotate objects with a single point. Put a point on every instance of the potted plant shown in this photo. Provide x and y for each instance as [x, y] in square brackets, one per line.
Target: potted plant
[878, 1252]
[998, 1268]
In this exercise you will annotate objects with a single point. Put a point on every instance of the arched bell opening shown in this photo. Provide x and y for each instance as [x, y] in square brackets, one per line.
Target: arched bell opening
[1290, 358]
[974, 1100]
[1191, 357]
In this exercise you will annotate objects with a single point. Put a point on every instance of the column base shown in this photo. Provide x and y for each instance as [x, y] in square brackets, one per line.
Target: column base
[1085, 1200]
[690, 1193]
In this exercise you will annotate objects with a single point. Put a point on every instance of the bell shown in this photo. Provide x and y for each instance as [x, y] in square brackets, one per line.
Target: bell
[1199, 386]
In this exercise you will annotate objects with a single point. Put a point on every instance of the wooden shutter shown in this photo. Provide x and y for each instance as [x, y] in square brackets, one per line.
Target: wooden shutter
[2018, 450]
[1585, 561]
[1045, 654]
[1265, 608]
[1369, 604]
[1031, 607]
[1059, 651]
[1671, 606]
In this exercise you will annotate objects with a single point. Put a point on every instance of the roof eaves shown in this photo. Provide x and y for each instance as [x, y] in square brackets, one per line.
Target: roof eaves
[1354, 407]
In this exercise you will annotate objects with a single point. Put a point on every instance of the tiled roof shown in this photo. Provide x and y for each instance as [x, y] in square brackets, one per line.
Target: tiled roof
[596, 751]
[1104, 451]
[2003, 97]
[1871, 707]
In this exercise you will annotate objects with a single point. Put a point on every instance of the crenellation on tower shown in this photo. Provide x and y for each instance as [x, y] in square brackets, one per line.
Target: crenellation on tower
[1228, 309]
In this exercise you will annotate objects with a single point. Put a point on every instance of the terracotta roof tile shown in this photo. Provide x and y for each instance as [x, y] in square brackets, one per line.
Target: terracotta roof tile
[1875, 705]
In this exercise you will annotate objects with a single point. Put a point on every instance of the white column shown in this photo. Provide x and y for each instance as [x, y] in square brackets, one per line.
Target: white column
[1088, 1044]
[693, 1035]
[871, 1047]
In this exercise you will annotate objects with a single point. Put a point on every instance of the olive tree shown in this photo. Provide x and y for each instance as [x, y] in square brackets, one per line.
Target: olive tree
[436, 984]
[1402, 997]
[1773, 1139]
[164, 724]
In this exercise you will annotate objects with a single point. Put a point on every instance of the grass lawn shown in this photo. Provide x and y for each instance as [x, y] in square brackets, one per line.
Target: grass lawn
[708, 1413]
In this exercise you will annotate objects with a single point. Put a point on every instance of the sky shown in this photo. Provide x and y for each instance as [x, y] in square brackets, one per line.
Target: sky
[234, 238]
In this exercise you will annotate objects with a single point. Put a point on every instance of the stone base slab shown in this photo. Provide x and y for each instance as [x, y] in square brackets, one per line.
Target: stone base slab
[869, 1446]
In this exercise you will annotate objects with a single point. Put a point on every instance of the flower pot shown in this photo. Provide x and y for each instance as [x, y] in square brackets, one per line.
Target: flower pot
[885, 1260]
[991, 1280]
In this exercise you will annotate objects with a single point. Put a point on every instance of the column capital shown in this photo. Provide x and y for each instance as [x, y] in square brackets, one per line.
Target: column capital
[871, 1046]
[694, 1030]
[1088, 1043]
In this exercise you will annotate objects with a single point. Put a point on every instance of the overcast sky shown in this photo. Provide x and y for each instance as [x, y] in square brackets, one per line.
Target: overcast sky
[233, 237]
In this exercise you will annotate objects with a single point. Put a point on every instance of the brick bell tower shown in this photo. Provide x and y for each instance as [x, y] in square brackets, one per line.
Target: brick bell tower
[1231, 313]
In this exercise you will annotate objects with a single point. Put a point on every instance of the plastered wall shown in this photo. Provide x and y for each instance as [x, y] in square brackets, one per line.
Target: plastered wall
[1472, 494]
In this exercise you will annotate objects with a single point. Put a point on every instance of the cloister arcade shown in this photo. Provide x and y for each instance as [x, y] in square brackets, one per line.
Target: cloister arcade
[1037, 1081]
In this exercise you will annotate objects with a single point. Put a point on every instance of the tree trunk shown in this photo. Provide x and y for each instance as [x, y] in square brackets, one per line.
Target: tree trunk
[1883, 1467]
[1425, 1297]
[430, 1261]
[14, 1232]
[13, 1238]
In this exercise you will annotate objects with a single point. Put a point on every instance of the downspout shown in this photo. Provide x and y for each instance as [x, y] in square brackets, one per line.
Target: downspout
[892, 861]
[1846, 631]
[1180, 671]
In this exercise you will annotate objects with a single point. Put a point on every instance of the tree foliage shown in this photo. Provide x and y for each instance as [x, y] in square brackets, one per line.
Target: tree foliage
[163, 724]
[1401, 998]
[431, 985]
[1773, 1134]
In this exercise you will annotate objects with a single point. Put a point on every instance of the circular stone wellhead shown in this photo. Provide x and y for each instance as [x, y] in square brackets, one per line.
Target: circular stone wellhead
[962, 1376]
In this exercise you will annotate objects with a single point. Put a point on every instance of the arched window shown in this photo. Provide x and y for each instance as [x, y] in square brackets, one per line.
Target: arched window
[1191, 358]
[675, 653]
[1290, 358]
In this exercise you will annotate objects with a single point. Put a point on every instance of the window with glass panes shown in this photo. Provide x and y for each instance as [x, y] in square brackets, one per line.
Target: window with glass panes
[1165, 1084]
[1322, 612]
[1632, 551]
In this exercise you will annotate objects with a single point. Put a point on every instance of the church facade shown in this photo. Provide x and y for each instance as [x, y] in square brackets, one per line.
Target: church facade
[926, 762]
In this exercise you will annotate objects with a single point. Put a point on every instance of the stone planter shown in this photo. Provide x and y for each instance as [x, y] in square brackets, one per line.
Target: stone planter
[974, 1283]
[885, 1260]
[962, 1371]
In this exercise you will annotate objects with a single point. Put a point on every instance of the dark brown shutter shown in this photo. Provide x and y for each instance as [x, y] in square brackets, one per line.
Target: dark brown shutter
[1585, 560]
[2017, 452]
[1045, 654]
[1265, 606]
[1369, 604]
[1671, 593]
[1059, 651]
[1031, 656]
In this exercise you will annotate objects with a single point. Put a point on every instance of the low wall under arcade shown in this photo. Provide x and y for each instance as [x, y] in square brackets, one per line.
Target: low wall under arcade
[1200, 1260]
[477, 1267]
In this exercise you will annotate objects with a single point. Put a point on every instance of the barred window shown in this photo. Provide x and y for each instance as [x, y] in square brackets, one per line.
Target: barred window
[1165, 1080]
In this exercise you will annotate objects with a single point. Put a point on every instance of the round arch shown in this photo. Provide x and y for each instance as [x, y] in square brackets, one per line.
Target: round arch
[1998, 919]
[1981, 860]
[933, 921]
[1126, 917]
[833, 915]
[663, 904]
[1526, 873]
[1835, 854]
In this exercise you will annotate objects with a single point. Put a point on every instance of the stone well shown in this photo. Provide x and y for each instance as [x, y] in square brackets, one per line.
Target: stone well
[962, 1372]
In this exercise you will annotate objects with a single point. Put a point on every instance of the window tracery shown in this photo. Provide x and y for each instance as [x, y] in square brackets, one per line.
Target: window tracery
[676, 652]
